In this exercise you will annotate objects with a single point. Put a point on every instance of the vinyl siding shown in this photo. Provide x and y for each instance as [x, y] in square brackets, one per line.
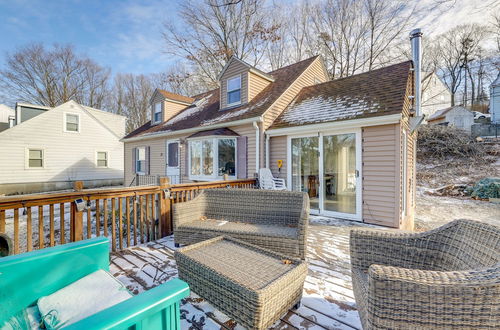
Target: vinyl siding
[170, 109]
[249, 132]
[315, 71]
[278, 150]
[113, 122]
[381, 174]
[157, 157]
[255, 85]
[158, 149]
[234, 69]
[68, 156]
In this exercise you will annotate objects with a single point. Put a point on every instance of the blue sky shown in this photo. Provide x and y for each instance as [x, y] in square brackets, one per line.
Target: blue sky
[123, 35]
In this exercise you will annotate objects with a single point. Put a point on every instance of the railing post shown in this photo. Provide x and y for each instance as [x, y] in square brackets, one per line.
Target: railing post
[165, 211]
[76, 216]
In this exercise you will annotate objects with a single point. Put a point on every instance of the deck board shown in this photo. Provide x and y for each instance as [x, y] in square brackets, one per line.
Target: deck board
[327, 302]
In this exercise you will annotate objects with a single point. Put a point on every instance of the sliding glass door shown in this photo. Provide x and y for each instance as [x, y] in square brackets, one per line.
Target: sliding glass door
[326, 166]
[339, 178]
[305, 167]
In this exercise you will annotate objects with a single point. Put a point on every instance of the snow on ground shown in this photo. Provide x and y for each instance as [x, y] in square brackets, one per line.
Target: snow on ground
[434, 211]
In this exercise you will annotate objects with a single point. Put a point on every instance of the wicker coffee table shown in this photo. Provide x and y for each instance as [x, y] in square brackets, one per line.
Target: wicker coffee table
[252, 285]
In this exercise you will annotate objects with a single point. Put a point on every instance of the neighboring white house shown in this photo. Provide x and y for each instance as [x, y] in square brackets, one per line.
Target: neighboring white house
[7, 115]
[60, 145]
[495, 101]
[457, 116]
[435, 94]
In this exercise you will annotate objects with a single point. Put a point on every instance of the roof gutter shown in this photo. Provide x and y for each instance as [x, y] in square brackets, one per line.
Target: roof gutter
[341, 124]
[192, 130]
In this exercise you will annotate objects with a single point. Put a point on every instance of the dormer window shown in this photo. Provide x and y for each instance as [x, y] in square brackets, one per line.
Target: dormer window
[157, 112]
[234, 90]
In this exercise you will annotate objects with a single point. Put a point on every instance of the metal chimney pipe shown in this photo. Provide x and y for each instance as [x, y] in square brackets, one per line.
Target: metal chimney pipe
[416, 52]
[12, 120]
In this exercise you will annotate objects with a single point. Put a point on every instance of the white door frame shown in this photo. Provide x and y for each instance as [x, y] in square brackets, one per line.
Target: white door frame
[359, 198]
[167, 142]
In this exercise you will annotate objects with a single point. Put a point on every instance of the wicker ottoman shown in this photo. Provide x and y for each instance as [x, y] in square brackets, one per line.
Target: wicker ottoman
[252, 285]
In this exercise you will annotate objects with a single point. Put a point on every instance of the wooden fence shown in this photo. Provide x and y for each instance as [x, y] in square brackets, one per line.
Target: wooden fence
[129, 216]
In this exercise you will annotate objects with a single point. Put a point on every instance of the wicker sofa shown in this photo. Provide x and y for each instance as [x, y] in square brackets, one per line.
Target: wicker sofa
[276, 220]
[441, 279]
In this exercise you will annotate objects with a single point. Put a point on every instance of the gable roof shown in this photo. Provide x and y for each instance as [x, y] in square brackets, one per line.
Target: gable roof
[442, 113]
[175, 97]
[374, 93]
[250, 68]
[110, 121]
[205, 109]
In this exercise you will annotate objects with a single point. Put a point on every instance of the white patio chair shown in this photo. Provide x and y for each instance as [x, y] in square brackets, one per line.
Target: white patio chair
[267, 181]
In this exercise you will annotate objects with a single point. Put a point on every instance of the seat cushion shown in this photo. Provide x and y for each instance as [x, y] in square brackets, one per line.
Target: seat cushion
[241, 227]
[87, 296]
[28, 319]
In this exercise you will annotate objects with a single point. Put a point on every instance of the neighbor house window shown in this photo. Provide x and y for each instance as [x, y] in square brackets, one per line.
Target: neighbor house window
[35, 158]
[72, 123]
[102, 159]
[140, 160]
[234, 90]
[211, 158]
[157, 112]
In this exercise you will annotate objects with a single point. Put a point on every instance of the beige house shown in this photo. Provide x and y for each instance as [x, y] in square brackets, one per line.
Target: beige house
[346, 142]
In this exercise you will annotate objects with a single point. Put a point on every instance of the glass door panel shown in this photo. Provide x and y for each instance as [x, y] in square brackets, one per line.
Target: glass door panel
[305, 167]
[339, 178]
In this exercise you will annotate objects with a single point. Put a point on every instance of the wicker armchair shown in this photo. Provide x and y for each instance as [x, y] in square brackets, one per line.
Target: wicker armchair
[275, 220]
[441, 279]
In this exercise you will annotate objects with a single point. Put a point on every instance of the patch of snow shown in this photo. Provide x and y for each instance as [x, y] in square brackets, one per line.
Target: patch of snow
[321, 109]
[228, 114]
[191, 111]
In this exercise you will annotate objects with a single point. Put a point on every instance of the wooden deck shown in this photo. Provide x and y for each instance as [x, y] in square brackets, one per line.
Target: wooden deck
[327, 301]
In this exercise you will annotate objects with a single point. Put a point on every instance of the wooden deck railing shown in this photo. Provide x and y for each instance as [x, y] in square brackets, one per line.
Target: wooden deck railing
[129, 216]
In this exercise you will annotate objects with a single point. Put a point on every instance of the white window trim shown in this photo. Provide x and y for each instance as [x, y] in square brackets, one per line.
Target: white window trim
[215, 152]
[154, 112]
[404, 175]
[96, 159]
[64, 122]
[227, 91]
[359, 166]
[137, 159]
[27, 158]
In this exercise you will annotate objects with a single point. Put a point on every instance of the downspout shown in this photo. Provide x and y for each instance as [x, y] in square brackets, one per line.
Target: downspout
[257, 144]
[267, 150]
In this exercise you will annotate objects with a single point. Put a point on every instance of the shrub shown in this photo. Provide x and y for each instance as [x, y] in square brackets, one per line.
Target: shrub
[487, 188]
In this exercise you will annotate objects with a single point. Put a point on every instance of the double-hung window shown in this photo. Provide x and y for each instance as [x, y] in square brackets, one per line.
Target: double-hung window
[35, 158]
[157, 112]
[71, 122]
[102, 159]
[140, 160]
[234, 91]
[212, 158]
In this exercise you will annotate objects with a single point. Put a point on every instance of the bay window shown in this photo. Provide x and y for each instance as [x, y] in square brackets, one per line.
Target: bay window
[212, 158]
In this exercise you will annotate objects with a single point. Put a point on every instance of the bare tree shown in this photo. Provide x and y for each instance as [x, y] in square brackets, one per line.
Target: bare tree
[213, 31]
[53, 76]
[355, 36]
[131, 98]
[454, 51]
